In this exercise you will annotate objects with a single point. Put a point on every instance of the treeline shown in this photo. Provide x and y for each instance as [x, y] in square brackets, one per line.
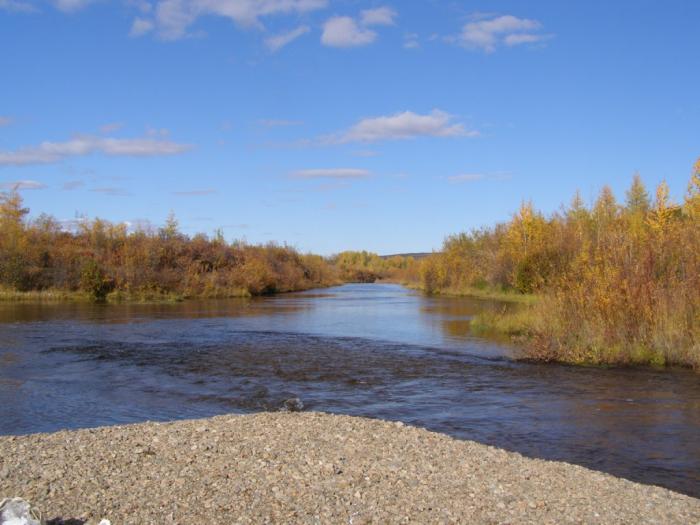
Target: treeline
[617, 282]
[367, 267]
[99, 260]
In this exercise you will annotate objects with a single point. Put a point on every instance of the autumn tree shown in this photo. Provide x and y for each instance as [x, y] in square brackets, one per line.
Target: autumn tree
[692, 199]
[663, 210]
[13, 241]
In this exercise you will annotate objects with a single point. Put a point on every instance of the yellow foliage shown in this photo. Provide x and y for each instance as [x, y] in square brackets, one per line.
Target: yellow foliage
[617, 284]
[692, 201]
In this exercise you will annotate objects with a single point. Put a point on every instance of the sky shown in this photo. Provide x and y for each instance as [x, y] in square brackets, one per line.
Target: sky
[342, 124]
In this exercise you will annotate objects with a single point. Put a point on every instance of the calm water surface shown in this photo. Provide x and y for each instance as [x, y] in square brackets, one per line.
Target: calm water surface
[370, 350]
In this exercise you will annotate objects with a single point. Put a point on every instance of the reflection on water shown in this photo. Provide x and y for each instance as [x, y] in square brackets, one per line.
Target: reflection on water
[372, 350]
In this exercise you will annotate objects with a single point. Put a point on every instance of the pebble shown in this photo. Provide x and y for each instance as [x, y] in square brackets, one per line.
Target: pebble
[307, 467]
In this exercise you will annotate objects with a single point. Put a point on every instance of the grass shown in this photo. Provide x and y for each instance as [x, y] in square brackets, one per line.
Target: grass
[43, 296]
[493, 294]
[47, 296]
[488, 293]
[526, 326]
[121, 296]
[518, 324]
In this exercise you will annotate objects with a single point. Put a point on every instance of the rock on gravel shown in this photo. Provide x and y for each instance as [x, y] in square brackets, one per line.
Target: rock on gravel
[311, 468]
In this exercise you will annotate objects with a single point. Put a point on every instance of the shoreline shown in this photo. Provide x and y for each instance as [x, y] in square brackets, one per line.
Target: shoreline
[120, 297]
[486, 294]
[310, 467]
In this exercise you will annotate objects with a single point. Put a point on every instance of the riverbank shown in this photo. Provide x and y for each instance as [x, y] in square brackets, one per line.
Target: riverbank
[311, 467]
[40, 296]
[542, 338]
[488, 293]
[533, 323]
[120, 296]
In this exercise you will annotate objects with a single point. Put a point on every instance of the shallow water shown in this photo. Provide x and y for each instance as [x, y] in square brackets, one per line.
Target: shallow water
[370, 350]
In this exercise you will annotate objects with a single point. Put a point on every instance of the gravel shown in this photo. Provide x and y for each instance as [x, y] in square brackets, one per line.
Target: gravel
[310, 468]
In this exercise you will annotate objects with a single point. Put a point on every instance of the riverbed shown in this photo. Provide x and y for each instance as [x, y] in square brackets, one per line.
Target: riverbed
[379, 351]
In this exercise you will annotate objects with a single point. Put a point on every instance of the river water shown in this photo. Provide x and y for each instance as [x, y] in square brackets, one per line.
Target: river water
[374, 350]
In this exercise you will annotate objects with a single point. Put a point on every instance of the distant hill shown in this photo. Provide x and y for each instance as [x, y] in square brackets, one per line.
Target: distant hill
[416, 255]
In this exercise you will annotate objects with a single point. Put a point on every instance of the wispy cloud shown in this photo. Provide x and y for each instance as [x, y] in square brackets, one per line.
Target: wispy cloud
[17, 6]
[111, 127]
[112, 192]
[380, 16]
[71, 5]
[50, 152]
[142, 5]
[141, 26]
[365, 153]
[173, 18]
[492, 32]
[157, 132]
[5, 121]
[410, 41]
[403, 125]
[72, 185]
[277, 42]
[23, 185]
[331, 173]
[195, 193]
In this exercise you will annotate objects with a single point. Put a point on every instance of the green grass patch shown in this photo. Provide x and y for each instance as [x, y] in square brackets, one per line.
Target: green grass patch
[519, 323]
[488, 293]
[43, 296]
[493, 294]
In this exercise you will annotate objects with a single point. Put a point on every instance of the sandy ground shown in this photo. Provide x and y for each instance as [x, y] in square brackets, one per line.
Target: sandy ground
[310, 468]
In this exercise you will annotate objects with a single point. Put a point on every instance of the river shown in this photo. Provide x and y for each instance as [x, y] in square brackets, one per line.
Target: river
[375, 350]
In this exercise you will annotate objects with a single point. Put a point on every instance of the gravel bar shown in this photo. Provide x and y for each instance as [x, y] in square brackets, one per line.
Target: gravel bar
[310, 468]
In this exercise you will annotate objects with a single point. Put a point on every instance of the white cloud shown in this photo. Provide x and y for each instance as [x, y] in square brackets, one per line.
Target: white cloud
[174, 17]
[523, 38]
[49, 152]
[490, 33]
[17, 6]
[19, 185]
[405, 125]
[277, 42]
[71, 5]
[381, 16]
[331, 173]
[141, 26]
[343, 31]
[5, 121]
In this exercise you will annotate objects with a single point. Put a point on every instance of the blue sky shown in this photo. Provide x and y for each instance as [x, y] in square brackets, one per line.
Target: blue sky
[332, 124]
